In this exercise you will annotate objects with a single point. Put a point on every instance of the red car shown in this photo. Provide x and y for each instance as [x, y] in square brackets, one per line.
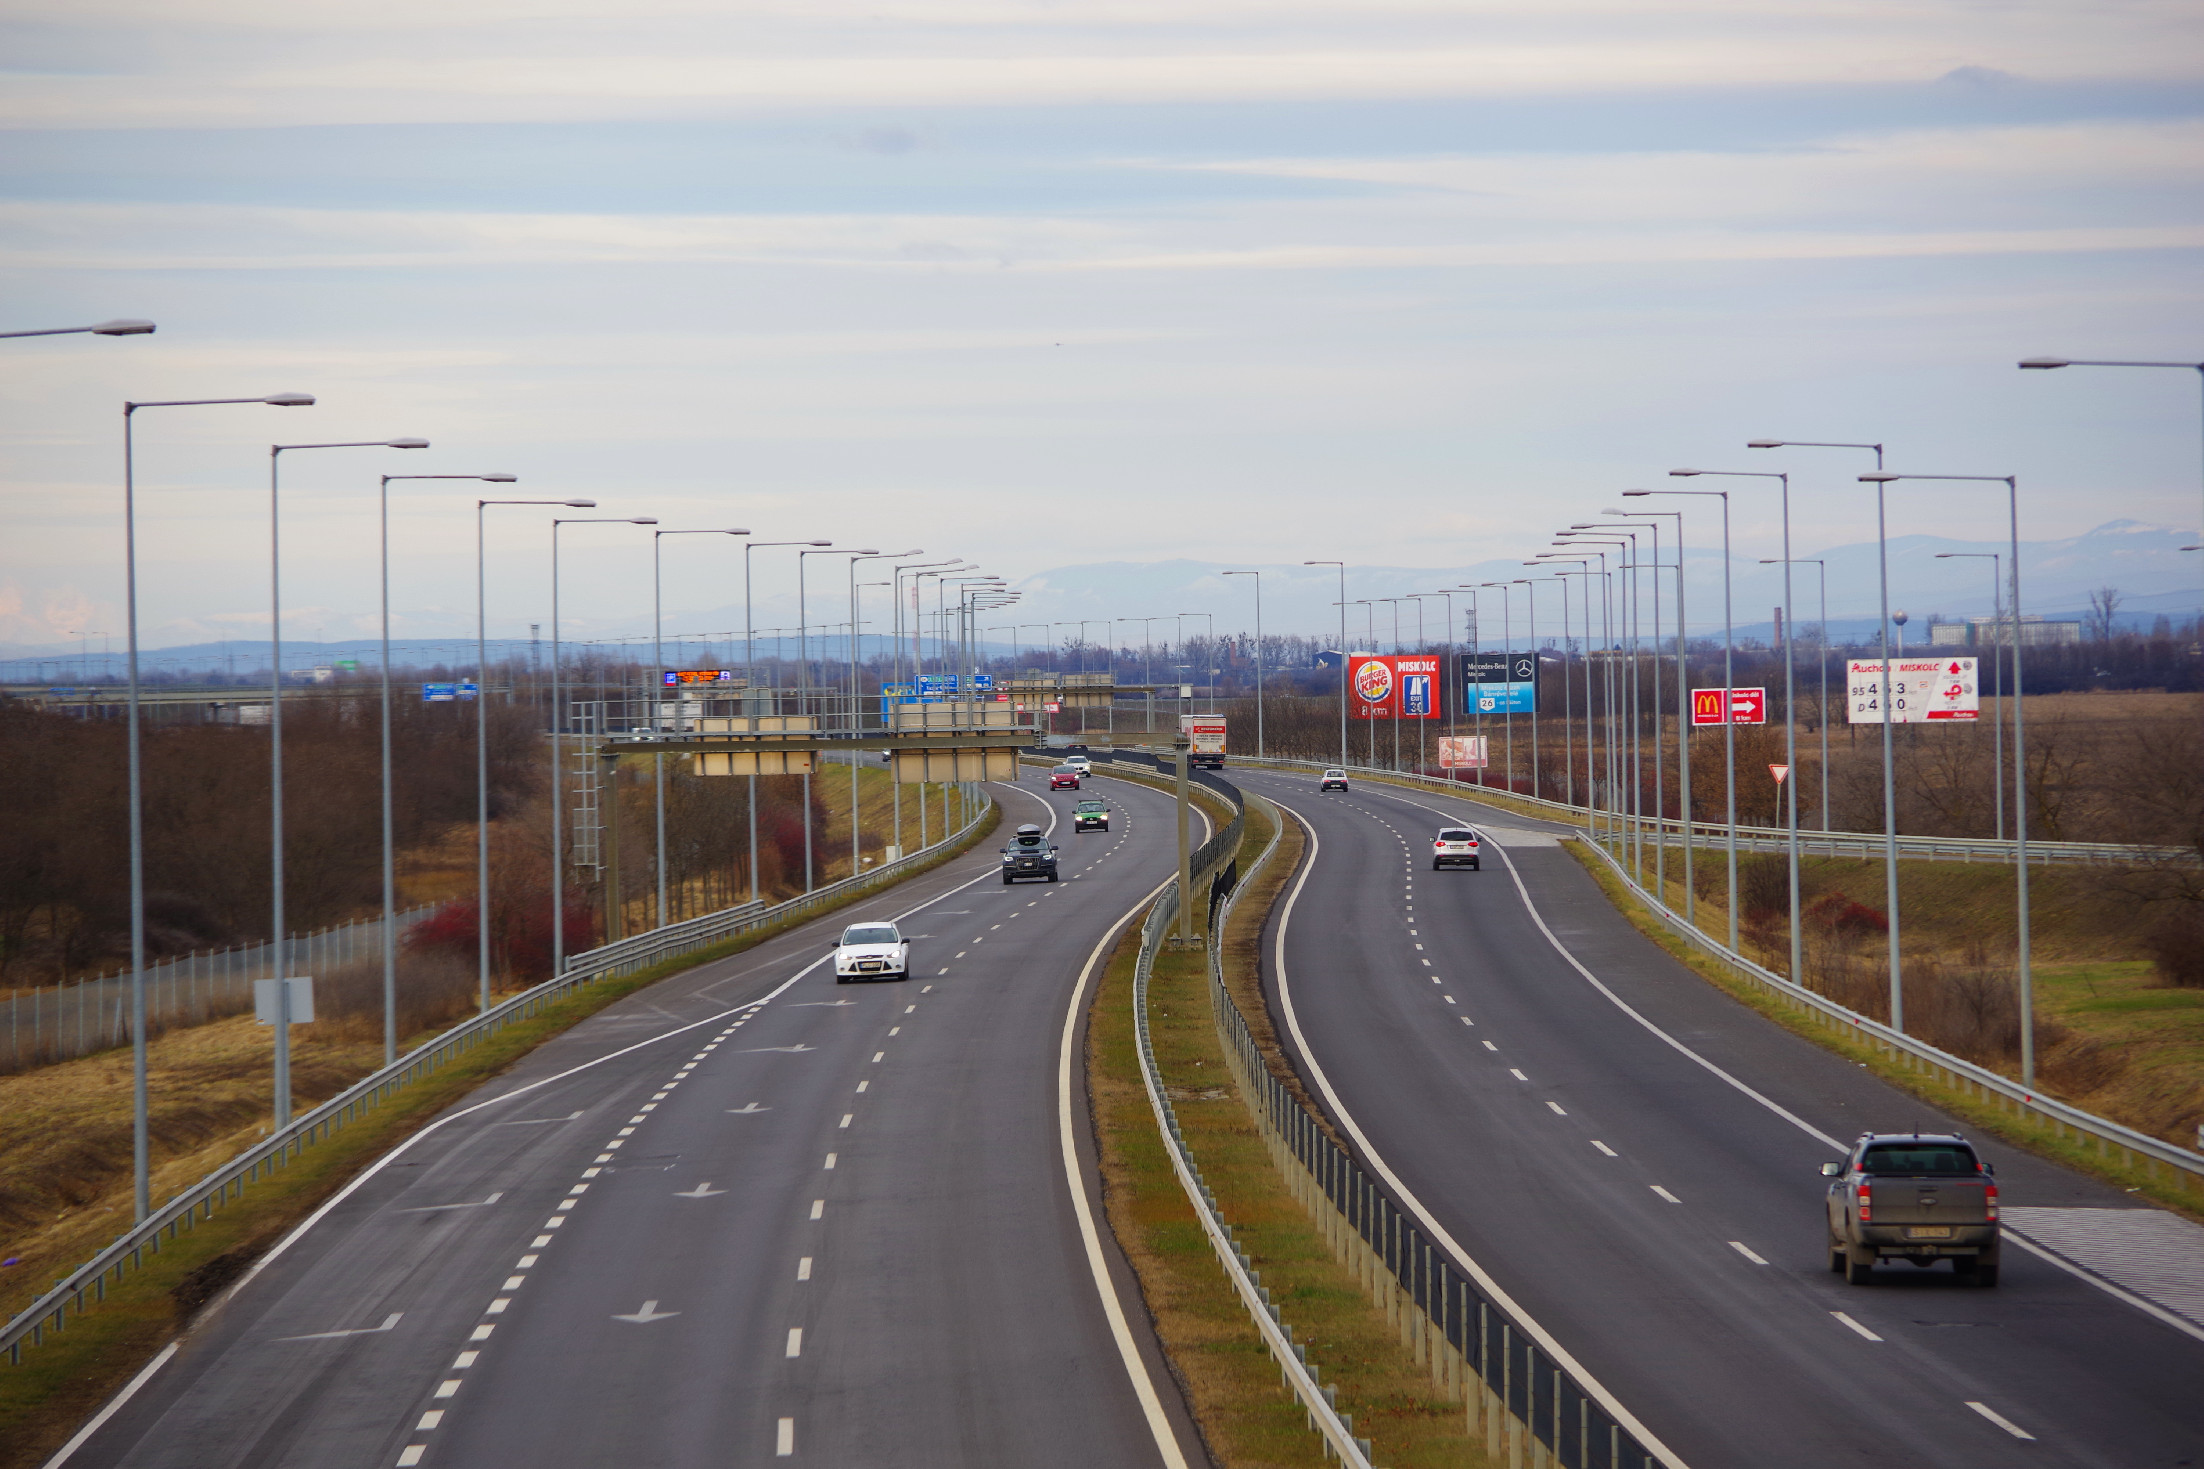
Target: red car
[1063, 777]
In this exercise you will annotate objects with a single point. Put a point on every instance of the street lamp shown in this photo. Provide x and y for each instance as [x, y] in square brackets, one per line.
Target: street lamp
[1342, 652]
[390, 858]
[1683, 703]
[1258, 655]
[658, 672]
[1821, 567]
[141, 1134]
[1997, 719]
[856, 718]
[280, 946]
[2020, 751]
[750, 685]
[1790, 698]
[1729, 681]
[123, 327]
[482, 738]
[558, 748]
[2045, 363]
[1568, 713]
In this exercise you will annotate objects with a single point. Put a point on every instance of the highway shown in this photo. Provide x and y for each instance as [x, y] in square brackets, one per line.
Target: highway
[745, 1215]
[1635, 1160]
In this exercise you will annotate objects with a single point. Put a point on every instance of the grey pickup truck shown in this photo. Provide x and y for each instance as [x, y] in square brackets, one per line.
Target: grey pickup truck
[1922, 1197]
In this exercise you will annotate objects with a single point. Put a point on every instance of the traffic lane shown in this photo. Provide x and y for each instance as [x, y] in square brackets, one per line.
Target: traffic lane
[1470, 810]
[407, 1237]
[889, 1256]
[1750, 1171]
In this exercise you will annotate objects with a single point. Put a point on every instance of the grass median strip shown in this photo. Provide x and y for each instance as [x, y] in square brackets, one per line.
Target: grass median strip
[63, 1380]
[1246, 1415]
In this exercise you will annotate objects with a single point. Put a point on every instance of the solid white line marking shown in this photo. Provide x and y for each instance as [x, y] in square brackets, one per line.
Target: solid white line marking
[2002, 1421]
[795, 1342]
[1739, 1246]
[803, 1268]
[818, 1208]
[784, 1438]
[1664, 1193]
[440, 1208]
[1557, 1109]
[1863, 1331]
[388, 1322]
[114, 1405]
[1610, 1152]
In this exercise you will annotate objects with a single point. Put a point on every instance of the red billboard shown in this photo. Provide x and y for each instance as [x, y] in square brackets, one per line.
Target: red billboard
[1393, 686]
[1742, 706]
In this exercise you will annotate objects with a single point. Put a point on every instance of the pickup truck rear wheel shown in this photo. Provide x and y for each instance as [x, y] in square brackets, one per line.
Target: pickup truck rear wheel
[1985, 1267]
[1836, 1255]
[1859, 1265]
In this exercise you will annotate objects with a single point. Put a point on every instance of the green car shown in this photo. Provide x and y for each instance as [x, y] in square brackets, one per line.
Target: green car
[1090, 816]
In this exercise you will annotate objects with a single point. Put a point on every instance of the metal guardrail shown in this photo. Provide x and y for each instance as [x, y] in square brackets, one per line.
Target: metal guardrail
[2186, 1166]
[187, 1209]
[1529, 1408]
[1671, 832]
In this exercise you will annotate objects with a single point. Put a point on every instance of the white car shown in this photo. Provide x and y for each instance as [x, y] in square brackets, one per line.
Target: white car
[1334, 779]
[871, 951]
[1454, 846]
[1080, 763]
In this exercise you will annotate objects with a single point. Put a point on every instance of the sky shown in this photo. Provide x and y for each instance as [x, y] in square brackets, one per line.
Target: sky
[1052, 284]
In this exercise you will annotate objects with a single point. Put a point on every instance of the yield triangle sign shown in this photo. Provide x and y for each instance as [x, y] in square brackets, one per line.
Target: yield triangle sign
[1779, 771]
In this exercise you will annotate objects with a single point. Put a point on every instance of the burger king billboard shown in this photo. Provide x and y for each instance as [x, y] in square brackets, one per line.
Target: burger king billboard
[1395, 686]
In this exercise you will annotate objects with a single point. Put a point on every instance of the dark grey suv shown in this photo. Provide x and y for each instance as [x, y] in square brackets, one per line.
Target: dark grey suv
[1912, 1196]
[1029, 855]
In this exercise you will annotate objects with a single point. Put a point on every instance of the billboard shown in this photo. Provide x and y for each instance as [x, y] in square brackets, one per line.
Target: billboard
[1929, 690]
[446, 693]
[1729, 706]
[675, 677]
[1393, 686]
[1465, 752]
[1503, 698]
[1499, 683]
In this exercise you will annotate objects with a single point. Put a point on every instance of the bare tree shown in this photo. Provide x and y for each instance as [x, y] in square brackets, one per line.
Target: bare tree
[2104, 608]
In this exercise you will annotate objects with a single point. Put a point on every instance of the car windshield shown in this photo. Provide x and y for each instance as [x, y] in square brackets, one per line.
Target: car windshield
[1331, 773]
[1067, 770]
[1457, 836]
[1921, 1157]
[871, 933]
[1089, 807]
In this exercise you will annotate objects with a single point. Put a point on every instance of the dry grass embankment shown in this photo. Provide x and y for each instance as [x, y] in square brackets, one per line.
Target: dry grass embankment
[2127, 1045]
[1247, 1416]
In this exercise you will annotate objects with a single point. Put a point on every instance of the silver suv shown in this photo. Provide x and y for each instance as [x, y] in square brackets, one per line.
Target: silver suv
[1454, 846]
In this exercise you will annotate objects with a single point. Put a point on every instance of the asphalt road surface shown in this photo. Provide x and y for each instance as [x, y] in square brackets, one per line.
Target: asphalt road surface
[1660, 1220]
[742, 1216]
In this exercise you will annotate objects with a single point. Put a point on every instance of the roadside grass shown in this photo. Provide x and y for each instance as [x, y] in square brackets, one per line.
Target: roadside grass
[2172, 1055]
[65, 1151]
[1247, 1416]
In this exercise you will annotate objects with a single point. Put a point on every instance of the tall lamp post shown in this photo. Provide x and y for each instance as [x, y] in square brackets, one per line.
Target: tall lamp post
[141, 1132]
[856, 717]
[2020, 750]
[279, 940]
[482, 739]
[1821, 568]
[658, 672]
[1683, 698]
[1997, 720]
[390, 858]
[1547, 560]
[558, 744]
[1258, 655]
[1342, 652]
[1507, 635]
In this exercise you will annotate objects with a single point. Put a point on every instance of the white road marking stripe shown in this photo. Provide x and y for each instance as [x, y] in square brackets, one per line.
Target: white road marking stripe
[831, 1157]
[448, 1387]
[803, 1268]
[1490, 1046]
[1863, 1331]
[1739, 1246]
[429, 1420]
[847, 1118]
[1557, 1109]
[1467, 1021]
[1610, 1152]
[1519, 1076]
[2002, 1421]
[863, 1084]
[1664, 1193]
[784, 1438]
[410, 1455]
[465, 1359]
[878, 1057]
[514, 1282]
[497, 1307]
[482, 1332]
[795, 1342]
[818, 1208]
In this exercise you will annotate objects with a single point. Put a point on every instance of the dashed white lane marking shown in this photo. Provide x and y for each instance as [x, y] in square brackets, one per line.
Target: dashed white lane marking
[1490, 1046]
[1448, 998]
[1519, 1076]
[863, 1084]
[1739, 1246]
[429, 1420]
[895, 1030]
[784, 1438]
[448, 1387]
[818, 1208]
[803, 1268]
[1664, 1193]
[1557, 1109]
[1610, 1152]
[2002, 1421]
[831, 1157]
[411, 1455]
[1863, 1331]
[847, 1118]
[878, 1057]
[795, 1341]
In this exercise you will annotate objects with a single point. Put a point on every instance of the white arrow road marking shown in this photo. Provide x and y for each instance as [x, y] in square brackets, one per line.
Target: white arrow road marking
[539, 1121]
[388, 1322]
[648, 1314]
[701, 1191]
[755, 1050]
[745, 1111]
[822, 1004]
[435, 1208]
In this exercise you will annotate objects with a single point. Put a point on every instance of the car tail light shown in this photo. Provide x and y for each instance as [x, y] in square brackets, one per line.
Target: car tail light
[1867, 1202]
[1989, 1200]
